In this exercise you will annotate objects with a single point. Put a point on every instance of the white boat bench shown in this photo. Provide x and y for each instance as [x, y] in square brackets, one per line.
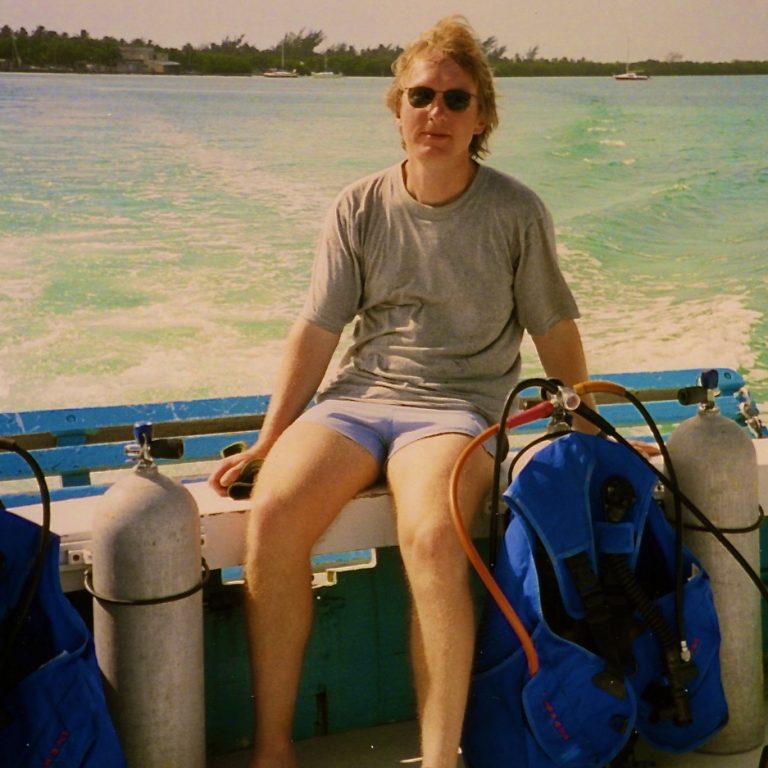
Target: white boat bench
[81, 452]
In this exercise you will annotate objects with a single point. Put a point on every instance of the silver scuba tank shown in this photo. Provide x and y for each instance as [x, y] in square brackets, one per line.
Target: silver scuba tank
[716, 467]
[148, 623]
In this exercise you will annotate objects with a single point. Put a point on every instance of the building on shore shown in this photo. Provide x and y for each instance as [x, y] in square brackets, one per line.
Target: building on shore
[145, 60]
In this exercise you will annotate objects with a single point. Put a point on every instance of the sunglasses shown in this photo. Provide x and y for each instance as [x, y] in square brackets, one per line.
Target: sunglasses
[421, 96]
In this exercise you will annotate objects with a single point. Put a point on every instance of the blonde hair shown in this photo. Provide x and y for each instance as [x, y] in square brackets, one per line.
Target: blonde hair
[452, 37]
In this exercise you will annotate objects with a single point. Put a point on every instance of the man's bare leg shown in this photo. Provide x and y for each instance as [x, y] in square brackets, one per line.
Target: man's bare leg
[308, 476]
[443, 625]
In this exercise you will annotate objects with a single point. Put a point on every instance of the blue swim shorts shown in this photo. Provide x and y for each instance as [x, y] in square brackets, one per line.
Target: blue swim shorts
[383, 428]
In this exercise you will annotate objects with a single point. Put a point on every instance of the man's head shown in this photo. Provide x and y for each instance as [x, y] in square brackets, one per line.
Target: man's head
[454, 38]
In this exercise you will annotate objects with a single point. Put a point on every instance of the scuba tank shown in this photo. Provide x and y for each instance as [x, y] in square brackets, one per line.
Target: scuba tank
[716, 468]
[147, 610]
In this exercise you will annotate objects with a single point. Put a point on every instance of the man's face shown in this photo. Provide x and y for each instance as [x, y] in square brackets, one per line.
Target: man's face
[434, 132]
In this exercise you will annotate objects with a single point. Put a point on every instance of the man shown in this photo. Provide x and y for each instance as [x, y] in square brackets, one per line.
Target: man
[442, 263]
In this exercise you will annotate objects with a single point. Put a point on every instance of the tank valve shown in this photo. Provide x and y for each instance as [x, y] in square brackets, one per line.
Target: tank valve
[564, 402]
[145, 449]
[703, 393]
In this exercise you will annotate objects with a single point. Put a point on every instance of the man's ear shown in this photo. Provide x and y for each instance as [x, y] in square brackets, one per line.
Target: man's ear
[398, 116]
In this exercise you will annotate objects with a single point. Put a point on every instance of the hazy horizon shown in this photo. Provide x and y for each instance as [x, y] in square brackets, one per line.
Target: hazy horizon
[696, 30]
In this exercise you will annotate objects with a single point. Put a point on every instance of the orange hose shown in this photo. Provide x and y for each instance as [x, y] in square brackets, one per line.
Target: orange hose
[537, 412]
[609, 387]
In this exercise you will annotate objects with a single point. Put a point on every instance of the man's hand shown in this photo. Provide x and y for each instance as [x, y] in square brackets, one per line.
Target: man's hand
[648, 450]
[229, 469]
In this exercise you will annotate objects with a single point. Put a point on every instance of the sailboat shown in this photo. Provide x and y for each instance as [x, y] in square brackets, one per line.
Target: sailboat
[631, 75]
[282, 72]
[326, 72]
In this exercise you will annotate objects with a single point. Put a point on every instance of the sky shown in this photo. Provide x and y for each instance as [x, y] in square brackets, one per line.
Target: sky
[599, 30]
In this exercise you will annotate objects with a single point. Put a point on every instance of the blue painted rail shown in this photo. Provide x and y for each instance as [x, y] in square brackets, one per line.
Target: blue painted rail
[76, 444]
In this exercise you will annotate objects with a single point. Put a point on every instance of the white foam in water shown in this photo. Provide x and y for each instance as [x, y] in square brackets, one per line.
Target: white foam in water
[168, 374]
[170, 260]
[293, 196]
[662, 334]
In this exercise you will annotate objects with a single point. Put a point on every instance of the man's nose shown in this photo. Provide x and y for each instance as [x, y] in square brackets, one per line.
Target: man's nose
[438, 104]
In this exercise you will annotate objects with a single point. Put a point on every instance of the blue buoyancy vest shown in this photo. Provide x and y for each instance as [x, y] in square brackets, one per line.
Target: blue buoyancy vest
[52, 706]
[588, 562]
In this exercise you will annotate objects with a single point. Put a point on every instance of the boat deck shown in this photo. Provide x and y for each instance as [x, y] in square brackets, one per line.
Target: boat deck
[388, 746]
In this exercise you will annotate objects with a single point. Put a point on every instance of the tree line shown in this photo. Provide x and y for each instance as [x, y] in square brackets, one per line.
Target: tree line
[302, 51]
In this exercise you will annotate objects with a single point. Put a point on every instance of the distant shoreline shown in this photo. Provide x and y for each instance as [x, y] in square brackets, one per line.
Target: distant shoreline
[59, 71]
[44, 51]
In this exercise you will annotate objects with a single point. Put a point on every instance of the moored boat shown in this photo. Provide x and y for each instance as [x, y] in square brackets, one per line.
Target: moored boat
[631, 75]
[280, 73]
[325, 72]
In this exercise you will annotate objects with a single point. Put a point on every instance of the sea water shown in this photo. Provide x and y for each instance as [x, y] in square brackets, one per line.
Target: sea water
[157, 233]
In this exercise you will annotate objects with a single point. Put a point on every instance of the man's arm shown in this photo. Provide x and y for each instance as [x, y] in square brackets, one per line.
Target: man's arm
[562, 357]
[308, 352]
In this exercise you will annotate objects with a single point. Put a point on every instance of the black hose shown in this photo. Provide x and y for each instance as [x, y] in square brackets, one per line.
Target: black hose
[678, 511]
[595, 418]
[519, 455]
[669, 482]
[678, 666]
[676, 670]
[15, 618]
[502, 448]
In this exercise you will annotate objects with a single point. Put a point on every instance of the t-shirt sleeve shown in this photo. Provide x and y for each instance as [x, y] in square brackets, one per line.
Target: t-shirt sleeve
[542, 296]
[335, 288]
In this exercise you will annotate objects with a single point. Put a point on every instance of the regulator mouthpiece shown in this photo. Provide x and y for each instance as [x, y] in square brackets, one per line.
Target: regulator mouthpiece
[568, 398]
[564, 402]
[145, 449]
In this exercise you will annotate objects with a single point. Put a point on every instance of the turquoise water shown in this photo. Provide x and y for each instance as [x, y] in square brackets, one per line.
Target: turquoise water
[156, 233]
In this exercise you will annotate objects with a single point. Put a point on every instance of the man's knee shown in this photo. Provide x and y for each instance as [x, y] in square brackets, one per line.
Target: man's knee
[433, 552]
[267, 532]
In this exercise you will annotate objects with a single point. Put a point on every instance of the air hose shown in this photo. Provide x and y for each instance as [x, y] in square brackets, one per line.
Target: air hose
[540, 411]
[669, 481]
[544, 410]
[16, 617]
[587, 413]
[502, 448]
[676, 671]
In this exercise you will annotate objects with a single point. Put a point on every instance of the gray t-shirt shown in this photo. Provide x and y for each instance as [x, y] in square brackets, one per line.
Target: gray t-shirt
[440, 295]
